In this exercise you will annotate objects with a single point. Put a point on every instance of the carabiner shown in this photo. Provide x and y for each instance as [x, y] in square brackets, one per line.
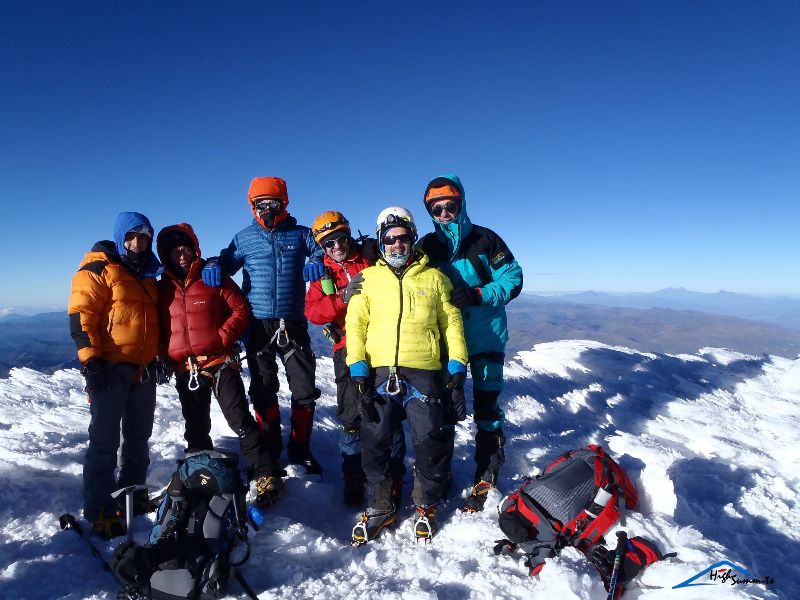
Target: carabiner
[281, 337]
[393, 383]
[194, 379]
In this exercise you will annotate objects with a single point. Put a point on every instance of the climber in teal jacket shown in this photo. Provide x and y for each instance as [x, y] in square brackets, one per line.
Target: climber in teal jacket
[485, 277]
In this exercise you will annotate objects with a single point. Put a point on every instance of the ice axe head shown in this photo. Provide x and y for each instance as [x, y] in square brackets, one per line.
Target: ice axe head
[129, 492]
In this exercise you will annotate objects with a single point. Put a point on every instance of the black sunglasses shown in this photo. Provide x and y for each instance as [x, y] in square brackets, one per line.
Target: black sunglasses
[268, 204]
[450, 207]
[391, 240]
[339, 239]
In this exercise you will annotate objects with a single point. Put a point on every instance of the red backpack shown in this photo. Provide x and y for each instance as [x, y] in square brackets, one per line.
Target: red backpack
[580, 495]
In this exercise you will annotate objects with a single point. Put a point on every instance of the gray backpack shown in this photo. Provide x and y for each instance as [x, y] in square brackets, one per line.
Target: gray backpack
[199, 522]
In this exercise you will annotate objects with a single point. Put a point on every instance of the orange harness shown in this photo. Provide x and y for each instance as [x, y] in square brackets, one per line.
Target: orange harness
[203, 365]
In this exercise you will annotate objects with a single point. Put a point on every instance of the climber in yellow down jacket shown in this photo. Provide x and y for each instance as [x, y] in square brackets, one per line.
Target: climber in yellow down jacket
[398, 313]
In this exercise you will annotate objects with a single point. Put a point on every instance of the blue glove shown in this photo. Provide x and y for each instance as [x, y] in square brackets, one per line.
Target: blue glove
[456, 374]
[313, 271]
[212, 273]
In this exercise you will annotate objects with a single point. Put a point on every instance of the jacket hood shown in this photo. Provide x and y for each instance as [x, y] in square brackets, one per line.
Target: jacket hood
[125, 222]
[454, 232]
[268, 188]
[164, 238]
[107, 249]
[167, 238]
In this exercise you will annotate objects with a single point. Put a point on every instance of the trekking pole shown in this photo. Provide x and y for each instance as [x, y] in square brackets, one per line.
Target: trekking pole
[619, 553]
[67, 521]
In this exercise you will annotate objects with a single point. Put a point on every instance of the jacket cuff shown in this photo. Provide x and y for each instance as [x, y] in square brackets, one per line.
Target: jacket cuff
[454, 366]
[359, 369]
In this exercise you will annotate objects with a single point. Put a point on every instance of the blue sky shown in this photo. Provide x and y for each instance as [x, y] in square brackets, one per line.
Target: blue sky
[620, 146]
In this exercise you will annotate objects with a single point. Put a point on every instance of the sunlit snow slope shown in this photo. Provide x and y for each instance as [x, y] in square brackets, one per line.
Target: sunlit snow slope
[712, 441]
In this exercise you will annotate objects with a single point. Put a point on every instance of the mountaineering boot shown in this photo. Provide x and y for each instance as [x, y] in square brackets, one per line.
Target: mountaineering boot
[298, 447]
[108, 527]
[477, 497]
[370, 524]
[300, 454]
[425, 525]
[354, 490]
[269, 489]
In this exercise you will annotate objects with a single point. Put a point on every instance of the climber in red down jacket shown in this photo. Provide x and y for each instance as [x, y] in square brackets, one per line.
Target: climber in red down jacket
[200, 327]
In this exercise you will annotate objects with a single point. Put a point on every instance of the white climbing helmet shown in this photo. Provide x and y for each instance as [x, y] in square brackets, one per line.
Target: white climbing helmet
[394, 216]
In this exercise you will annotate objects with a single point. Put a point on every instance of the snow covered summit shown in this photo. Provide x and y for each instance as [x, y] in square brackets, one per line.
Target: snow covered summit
[711, 440]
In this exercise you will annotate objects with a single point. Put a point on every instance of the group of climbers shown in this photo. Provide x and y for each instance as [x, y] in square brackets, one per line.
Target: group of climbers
[406, 317]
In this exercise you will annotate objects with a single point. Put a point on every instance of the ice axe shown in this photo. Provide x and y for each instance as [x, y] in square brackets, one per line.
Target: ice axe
[129, 492]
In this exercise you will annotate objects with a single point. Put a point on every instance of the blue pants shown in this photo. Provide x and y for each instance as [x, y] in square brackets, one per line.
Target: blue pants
[487, 383]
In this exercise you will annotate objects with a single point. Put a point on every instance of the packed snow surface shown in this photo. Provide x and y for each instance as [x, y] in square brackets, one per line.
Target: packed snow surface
[712, 441]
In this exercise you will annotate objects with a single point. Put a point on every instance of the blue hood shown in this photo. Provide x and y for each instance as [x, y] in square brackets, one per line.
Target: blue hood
[125, 222]
[454, 232]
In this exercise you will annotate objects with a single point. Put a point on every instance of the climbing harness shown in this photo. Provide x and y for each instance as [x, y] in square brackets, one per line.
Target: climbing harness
[282, 341]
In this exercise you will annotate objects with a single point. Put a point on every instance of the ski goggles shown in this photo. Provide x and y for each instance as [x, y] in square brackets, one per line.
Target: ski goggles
[339, 240]
[391, 240]
[271, 204]
[450, 207]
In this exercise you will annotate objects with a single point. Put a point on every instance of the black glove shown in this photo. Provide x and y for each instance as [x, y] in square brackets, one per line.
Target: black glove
[503, 545]
[370, 250]
[164, 370]
[95, 373]
[366, 398]
[464, 296]
[456, 381]
[353, 288]
[458, 404]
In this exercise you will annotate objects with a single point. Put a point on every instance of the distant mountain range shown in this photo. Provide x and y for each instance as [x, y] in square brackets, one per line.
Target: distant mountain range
[41, 342]
[781, 311]
[532, 319]
[669, 321]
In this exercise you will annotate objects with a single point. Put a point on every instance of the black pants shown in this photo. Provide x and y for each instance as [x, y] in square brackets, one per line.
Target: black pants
[348, 412]
[127, 406]
[347, 408]
[430, 440]
[298, 361]
[196, 407]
